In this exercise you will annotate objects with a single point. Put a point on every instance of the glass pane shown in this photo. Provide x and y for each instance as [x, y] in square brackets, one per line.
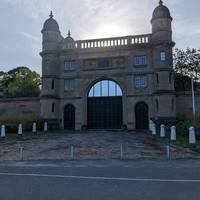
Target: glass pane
[162, 56]
[72, 84]
[140, 60]
[141, 81]
[112, 88]
[97, 91]
[91, 93]
[119, 91]
[66, 85]
[104, 88]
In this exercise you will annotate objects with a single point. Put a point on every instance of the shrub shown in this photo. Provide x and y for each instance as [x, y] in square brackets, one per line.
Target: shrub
[184, 125]
[11, 122]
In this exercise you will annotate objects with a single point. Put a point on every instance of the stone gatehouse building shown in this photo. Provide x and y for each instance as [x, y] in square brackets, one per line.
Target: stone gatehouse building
[108, 83]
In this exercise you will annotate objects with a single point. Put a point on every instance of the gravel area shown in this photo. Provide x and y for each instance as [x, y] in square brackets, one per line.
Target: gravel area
[90, 145]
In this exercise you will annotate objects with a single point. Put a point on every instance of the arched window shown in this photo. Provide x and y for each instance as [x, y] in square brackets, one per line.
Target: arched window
[104, 106]
[105, 88]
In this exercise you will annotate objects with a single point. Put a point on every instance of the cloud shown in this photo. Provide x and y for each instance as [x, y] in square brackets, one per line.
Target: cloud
[96, 19]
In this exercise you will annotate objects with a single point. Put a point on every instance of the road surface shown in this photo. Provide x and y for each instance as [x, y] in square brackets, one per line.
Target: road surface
[101, 180]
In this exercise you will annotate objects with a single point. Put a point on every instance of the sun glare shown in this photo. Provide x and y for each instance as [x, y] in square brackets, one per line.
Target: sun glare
[109, 30]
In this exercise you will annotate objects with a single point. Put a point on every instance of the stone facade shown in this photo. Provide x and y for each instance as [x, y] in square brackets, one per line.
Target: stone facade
[119, 55]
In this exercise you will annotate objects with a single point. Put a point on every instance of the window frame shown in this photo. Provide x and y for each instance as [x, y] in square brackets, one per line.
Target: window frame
[68, 83]
[141, 86]
[163, 56]
[71, 66]
[140, 64]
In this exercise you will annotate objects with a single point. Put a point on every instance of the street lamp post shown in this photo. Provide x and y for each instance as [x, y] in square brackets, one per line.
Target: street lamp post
[193, 98]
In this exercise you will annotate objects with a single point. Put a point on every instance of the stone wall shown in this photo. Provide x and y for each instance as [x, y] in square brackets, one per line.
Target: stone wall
[33, 106]
[184, 103]
[16, 106]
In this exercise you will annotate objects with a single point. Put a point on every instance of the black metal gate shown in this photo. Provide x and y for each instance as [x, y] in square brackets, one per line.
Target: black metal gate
[69, 117]
[141, 116]
[105, 112]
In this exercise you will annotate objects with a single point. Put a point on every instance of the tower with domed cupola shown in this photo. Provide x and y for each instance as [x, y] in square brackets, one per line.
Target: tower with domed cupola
[51, 38]
[162, 43]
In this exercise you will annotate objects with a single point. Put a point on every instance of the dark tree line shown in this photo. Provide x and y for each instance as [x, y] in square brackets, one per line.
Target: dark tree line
[186, 67]
[20, 82]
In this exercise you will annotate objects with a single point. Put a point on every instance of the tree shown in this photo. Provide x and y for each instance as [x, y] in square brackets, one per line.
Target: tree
[2, 73]
[194, 63]
[20, 82]
[186, 67]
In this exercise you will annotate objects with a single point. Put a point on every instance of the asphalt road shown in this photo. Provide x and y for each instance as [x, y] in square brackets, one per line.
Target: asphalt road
[101, 180]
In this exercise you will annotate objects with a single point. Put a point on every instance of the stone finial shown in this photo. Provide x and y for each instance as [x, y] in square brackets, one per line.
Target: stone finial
[51, 14]
[69, 33]
[161, 2]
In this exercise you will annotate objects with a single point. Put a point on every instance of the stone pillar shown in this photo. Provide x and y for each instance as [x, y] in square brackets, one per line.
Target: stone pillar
[154, 129]
[34, 129]
[192, 136]
[3, 132]
[173, 134]
[162, 130]
[20, 129]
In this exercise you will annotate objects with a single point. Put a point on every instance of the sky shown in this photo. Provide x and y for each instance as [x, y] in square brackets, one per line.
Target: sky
[21, 23]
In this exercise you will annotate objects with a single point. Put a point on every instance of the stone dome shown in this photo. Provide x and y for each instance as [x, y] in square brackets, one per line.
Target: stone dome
[68, 42]
[161, 11]
[51, 24]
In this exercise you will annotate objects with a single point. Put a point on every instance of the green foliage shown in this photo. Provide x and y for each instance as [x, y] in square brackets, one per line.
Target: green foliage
[182, 83]
[20, 82]
[1, 73]
[11, 122]
[186, 67]
[184, 125]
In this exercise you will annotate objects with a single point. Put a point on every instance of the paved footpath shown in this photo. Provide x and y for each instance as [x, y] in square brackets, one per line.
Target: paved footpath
[100, 180]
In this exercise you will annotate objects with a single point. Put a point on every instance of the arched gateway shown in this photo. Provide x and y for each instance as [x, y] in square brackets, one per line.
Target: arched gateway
[104, 106]
[69, 117]
[69, 65]
[141, 116]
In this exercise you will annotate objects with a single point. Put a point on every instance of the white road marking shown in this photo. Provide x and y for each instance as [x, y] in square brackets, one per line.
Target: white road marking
[102, 178]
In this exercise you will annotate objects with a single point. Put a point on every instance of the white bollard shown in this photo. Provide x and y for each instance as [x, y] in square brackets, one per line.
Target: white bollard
[151, 125]
[162, 130]
[3, 131]
[20, 129]
[153, 129]
[45, 127]
[34, 130]
[192, 136]
[173, 134]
